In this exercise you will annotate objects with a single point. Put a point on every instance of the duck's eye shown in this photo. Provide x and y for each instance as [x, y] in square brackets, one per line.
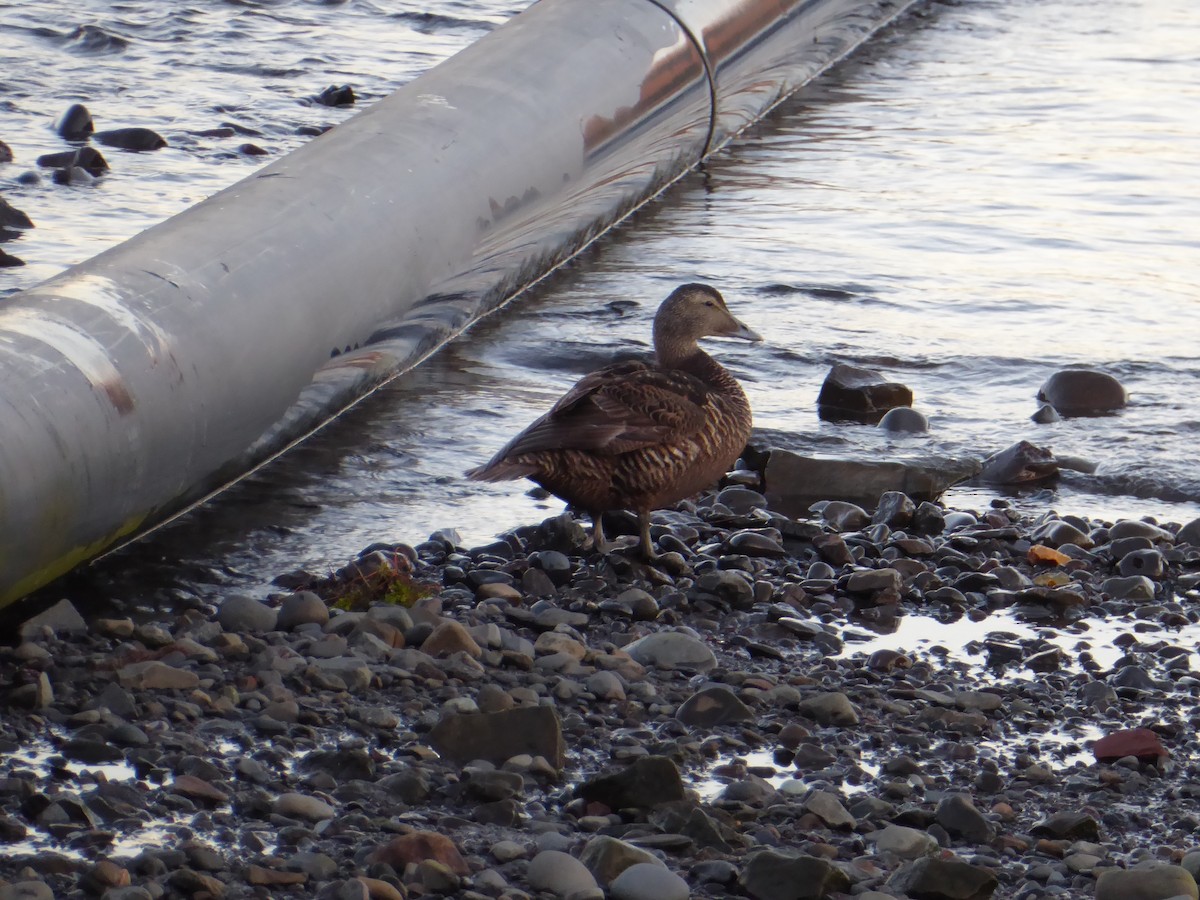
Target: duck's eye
[711, 303]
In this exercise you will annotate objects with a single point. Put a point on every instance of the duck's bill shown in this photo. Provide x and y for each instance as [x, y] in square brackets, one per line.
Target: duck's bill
[743, 333]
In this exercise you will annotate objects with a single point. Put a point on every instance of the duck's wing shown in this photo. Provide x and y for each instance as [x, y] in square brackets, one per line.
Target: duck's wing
[623, 407]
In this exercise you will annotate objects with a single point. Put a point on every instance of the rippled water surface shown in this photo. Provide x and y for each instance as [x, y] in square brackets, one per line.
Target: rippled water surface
[988, 192]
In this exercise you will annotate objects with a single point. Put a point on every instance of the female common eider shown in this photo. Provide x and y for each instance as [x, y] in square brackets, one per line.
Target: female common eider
[641, 436]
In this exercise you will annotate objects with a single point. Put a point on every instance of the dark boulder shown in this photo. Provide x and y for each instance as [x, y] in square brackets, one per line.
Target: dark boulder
[75, 124]
[1083, 392]
[1022, 463]
[140, 139]
[335, 96]
[771, 875]
[943, 879]
[793, 482]
[644, 784]
[711, 706]
[499, 736]
[11, 217]
[859, 395]
[1139, 742]
[904, 420]
[88, 158]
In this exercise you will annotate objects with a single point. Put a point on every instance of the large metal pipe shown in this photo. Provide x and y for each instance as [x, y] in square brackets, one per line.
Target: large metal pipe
[143, 380]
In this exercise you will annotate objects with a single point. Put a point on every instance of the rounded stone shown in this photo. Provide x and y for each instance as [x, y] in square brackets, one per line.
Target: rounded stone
[1083, 392]
[240, 613]
[1149, 563]
[563, 875]
[712, 706]
[904, 420]
[672, 650]
[905, 842]
[648, 881]
[1189, 534]
[75, 124]
[301, 608]
[1132, 587]
[302, 806]
[1153, 882]
[845, 516]
[1046, 414]
[606, 686]
[640, 604]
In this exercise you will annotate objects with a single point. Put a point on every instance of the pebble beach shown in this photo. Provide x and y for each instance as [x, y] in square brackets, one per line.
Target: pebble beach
[526, 719]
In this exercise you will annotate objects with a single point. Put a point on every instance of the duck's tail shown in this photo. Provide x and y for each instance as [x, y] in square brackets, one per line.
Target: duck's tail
[501, 470]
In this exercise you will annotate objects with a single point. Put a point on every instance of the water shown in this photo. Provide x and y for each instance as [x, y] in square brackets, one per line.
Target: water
[249, 65]
[987, 193]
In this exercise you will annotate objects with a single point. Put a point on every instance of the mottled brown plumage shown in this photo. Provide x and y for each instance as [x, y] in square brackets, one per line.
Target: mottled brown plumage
[641, 436]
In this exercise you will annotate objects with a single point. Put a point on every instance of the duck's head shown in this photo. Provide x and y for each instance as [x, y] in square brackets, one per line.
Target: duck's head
[694, 311]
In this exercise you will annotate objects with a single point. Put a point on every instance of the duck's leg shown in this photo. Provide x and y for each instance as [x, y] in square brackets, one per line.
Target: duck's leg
[644, 530]
[599, 544]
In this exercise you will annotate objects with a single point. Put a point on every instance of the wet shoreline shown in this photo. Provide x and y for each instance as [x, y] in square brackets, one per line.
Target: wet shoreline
[289, 749]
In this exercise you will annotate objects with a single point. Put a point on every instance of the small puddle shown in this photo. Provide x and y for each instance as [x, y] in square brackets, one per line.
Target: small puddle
[1060, 745]
[962, 640]
[41, 763]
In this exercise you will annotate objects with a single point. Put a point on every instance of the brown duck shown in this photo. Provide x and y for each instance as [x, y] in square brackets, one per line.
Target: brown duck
[641, 436]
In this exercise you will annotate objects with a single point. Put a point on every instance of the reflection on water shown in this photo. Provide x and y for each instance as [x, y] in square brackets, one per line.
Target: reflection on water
[210, 78]
[988, 193]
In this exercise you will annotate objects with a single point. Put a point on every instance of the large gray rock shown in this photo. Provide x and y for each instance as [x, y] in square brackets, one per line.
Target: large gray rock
[562, 875]
[1153, 882]
[499, 736]
[850, 393]
[301, 806]
[644, 784]
[1149, 563]
[1132, 587]
[607, 857]
[794, 482]
[239, 613]
[830, 708]
[829, 809]
[895, 509]
[943, 879]
[905, 842]
[682, 817]
[714, 705]
[1189, 533]
[1083, 392]
[1067, 825]
[646, 881]
[672, 650]
[845, 516]
[61, 618]
[769, 875]
[301, 608]
[153, 675]
[958, 815]
[1127, 528]
[1021, 464]
[26, 890]
[904, 420]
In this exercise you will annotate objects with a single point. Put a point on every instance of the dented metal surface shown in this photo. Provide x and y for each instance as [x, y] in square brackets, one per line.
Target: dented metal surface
[143, 380]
